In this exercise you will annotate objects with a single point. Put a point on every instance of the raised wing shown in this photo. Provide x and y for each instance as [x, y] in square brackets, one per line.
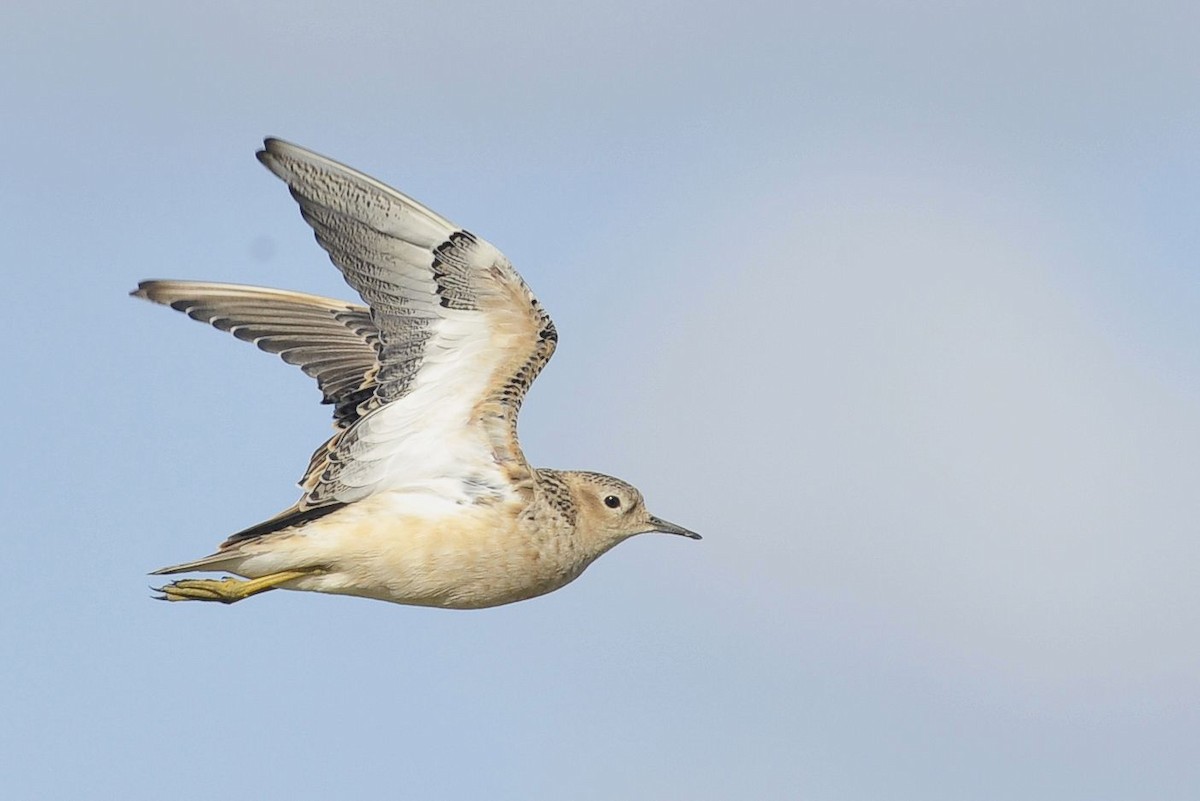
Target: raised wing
[330, 340]
[461, 338]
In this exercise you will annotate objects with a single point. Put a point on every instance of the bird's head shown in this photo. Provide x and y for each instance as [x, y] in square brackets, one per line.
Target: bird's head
[609, 510]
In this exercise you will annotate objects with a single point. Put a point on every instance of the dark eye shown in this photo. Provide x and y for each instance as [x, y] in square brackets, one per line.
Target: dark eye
[612, 502]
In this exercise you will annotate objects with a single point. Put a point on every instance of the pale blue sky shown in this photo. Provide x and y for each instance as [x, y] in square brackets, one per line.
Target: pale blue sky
[897, 304]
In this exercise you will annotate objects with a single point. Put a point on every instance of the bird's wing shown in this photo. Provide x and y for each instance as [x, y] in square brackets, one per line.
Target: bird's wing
[330, 340]
[461, 338]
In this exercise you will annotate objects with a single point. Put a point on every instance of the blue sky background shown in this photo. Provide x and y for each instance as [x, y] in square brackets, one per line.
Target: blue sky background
[896, 303]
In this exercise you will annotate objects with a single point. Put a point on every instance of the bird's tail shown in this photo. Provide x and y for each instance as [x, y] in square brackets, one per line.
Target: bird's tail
[221, 560]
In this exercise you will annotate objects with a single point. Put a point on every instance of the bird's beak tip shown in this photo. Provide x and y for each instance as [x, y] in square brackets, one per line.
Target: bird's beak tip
[666, 527]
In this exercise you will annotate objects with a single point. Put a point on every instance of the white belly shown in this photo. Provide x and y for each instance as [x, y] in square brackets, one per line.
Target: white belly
[414, 550]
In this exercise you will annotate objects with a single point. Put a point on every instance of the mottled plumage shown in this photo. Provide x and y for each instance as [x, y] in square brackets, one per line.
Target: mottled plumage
[422, 495]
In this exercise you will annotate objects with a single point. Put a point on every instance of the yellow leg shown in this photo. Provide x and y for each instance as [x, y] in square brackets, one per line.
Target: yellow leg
[226, 590]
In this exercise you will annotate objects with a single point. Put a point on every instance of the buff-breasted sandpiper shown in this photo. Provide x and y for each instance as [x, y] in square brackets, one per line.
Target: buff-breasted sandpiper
[422, 495]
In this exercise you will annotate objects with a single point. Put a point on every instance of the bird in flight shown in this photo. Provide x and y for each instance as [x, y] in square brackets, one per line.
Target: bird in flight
[422, 495]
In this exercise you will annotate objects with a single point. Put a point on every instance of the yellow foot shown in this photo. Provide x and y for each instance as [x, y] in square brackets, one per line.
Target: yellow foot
[226, 590]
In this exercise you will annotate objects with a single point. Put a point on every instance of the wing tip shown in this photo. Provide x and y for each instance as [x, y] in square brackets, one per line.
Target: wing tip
[273, 144]
[158, 290]
[144, 290]
[275, 151]
[269, 156]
